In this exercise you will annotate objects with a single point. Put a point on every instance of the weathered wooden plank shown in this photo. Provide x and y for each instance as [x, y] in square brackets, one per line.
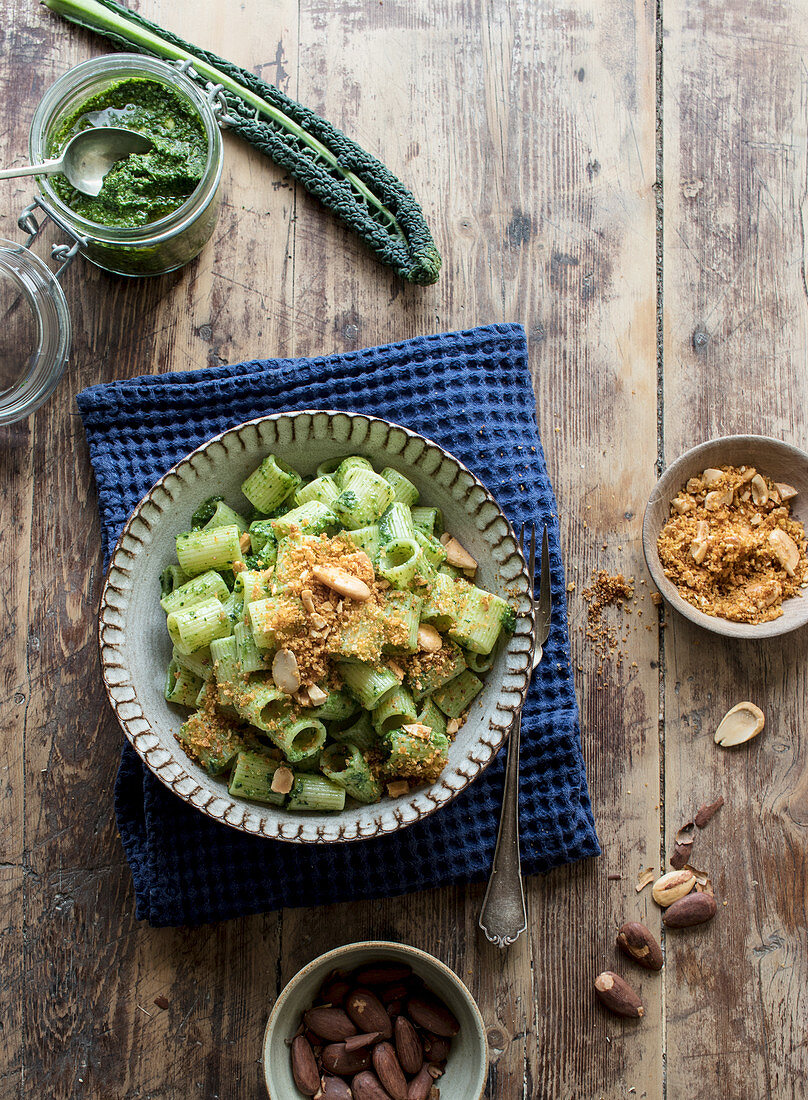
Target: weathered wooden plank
[18, 648]
[87, 980]
[15, 532]
[538, 186]
[735, 343]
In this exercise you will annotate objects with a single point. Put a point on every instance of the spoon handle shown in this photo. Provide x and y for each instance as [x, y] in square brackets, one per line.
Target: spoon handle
[46, 168]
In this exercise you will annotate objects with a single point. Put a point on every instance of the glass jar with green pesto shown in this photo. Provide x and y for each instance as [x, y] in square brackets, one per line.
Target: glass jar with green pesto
[156, 210]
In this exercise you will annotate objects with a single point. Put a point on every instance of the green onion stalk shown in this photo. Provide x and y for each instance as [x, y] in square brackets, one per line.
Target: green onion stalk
[356, 186]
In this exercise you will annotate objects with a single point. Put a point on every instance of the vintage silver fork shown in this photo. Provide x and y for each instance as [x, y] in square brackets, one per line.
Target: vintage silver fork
[503, 917]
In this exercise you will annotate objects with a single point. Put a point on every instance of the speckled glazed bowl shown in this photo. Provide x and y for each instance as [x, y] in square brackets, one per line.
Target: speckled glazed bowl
[467, 1066]
[779, 461]
[135, 647]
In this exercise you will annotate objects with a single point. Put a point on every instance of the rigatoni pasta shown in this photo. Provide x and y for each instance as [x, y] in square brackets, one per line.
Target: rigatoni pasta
[329, 640]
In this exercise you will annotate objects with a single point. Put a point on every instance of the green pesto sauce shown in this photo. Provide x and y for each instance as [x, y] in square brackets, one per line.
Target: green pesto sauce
[142, 187]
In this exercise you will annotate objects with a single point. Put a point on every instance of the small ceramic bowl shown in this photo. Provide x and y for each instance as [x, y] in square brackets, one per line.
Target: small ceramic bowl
[467, 1066]
[136, 649]
[777, 460]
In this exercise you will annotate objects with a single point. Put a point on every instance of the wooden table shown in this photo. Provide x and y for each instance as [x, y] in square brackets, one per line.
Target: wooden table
[630, 185]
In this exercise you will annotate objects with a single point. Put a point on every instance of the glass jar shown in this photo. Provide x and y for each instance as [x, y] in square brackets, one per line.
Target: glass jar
[35, 334]
[159, 246]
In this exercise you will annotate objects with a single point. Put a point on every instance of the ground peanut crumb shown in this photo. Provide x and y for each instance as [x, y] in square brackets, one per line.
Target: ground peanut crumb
[606, 590]
[731, 546]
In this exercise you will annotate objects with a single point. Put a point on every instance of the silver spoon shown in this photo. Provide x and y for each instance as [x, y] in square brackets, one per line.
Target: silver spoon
[87, 157]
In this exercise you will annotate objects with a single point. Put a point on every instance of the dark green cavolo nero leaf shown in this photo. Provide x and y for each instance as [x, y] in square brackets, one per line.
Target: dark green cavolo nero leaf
[356, 186]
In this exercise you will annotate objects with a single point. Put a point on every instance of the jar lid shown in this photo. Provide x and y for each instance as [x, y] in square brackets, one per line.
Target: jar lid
[35, 332]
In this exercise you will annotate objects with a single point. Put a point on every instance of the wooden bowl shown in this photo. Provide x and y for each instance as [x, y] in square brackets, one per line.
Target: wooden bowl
[777, 460]
[135, 646]
[467, 1065]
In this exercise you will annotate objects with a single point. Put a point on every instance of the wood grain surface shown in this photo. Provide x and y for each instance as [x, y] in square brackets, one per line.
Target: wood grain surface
[544, 141]
[735, 106]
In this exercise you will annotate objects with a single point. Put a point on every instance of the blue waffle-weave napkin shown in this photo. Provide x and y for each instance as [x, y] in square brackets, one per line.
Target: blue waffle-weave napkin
[469, 391]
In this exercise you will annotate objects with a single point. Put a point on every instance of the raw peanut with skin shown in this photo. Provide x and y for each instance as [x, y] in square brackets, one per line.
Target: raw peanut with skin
[638, 943]
[383, 973]
[368, 1013]
[357, 1042]
[331, 1024]
[436, 1048]
[366, 1086]
[408, 1046]
[333, 1088]
[430, 1013]
[389, 1071]
[421, 1085]
[395, 992]
[690, 910]
[304, 1067]
[334, 991]
[672, 886]
[617, 995]
[340, 1061]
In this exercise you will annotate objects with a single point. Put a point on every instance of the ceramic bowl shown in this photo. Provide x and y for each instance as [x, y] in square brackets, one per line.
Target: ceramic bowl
[777, 460]
[467, 1066]
[135, 647]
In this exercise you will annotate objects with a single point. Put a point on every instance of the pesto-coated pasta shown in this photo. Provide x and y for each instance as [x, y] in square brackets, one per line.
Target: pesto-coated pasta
[195, 591]
[252, 778]
[200, 550]
[315, 792]
[397, 708]
[364, 497]
[182, 685]
[345, 765]
[270, 484]
[367, 684]
[195, 627]
[453, 698]
[250, 657]
[396, 523]
[324, 489]
[325, 644]
[398, 562]
[224, 516]
[403, 489]
[368, 539]
[428, 520]
[312, 518]
[481, 617]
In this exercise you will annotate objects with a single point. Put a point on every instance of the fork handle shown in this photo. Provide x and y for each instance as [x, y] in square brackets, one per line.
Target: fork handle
[503, 917]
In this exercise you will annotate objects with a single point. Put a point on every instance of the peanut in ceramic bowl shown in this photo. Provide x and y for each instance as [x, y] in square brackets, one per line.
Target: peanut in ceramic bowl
[467, 1065]
[778, 461]
[135, 647]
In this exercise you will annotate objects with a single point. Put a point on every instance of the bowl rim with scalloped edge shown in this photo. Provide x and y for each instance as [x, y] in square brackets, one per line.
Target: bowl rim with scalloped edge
[135, 647]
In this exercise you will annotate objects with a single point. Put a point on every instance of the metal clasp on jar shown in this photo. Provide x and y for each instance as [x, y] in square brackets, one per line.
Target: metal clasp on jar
[214, 93]
[62, 253]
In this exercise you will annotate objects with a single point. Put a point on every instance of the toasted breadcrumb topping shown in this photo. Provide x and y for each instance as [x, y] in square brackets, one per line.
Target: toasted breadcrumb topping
[732, 547]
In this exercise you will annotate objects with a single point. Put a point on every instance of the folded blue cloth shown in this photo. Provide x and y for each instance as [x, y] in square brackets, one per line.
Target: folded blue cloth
[469, 391]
